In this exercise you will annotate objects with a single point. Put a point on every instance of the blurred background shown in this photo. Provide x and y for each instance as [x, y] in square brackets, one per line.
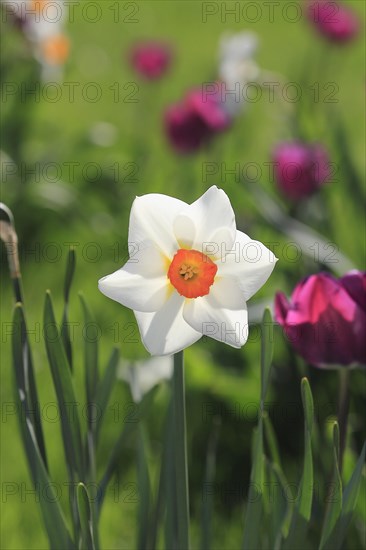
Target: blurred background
[84, 131]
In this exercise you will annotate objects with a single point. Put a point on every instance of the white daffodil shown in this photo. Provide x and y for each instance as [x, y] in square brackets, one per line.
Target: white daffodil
[237, 67]
[191, 273]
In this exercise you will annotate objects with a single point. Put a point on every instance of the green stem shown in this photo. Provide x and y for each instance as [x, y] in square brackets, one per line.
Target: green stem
[207, 505]
[343, 409]
[181, 467]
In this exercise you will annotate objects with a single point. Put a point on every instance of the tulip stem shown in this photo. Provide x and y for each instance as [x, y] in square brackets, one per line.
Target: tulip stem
[180, 452]
[343, 409]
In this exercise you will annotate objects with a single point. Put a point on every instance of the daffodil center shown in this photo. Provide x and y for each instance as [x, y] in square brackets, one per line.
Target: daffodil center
[192, 273]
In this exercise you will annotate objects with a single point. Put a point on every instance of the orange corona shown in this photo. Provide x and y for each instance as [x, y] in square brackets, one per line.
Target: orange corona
[56, 49]
[192, 273]
[38, 5]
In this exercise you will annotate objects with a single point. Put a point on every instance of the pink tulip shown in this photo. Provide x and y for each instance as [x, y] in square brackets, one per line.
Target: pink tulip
[300, 169]
[325, 320]
[151, 59]
[333, 20]
[192, 122]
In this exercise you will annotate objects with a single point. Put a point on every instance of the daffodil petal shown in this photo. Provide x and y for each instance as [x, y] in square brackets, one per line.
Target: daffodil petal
[152, 218]
[227, 293]
[135, 291]
[250, 263]
[203, 219]
[209, 317]
[166, 332]
[184, 230]
[220, 243]
[146, 260]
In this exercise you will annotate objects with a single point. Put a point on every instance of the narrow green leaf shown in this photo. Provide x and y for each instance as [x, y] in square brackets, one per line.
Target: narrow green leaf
[334, 498]
[70, 270]
[129, 430]
[91, 336]
[54, 521]
[302, 512]
[61, 375]
[207, 500]
[280, 476]
[180, 447]
[271, 440]
[277, 504]
[350, 495]
[65, 330]
[336, 441]
[85, 517]
[306, 497]
[279, 489]
[65, 335]
[166, 484]
[143, 479]
[353, 486]
[171, 522]
[308, 405]
[267, 345]
[254, 511]
[105, 387]
[24, 377]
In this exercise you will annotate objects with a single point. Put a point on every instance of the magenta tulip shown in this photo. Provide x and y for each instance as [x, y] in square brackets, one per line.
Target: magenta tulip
[151, 59]
[192, 123]
[325, 320]
[300, 169]
[333, 20]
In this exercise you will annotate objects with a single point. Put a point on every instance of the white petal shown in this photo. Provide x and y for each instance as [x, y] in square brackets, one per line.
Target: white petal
[166, 332]
[250, 263]
[151, 219]
[222, 240]
[227, 293]
[141, 283]
[185, 230]
[226, 325]
[208, 223]
[146, 260]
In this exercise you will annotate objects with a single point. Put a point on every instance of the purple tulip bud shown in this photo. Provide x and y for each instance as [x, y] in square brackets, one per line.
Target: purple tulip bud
[300, 169]
[333, 20]
[151, 59]
[192, 122]
[325, 320]
[15, 13]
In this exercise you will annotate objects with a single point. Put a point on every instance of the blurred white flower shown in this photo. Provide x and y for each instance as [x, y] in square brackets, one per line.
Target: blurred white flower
[103, 134]
[237, 68]
[42, 22]
[191, 272]
[241, 45]
[142, 376]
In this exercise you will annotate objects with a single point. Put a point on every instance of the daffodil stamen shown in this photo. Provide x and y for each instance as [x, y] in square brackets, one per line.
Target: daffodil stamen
[187, 272]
